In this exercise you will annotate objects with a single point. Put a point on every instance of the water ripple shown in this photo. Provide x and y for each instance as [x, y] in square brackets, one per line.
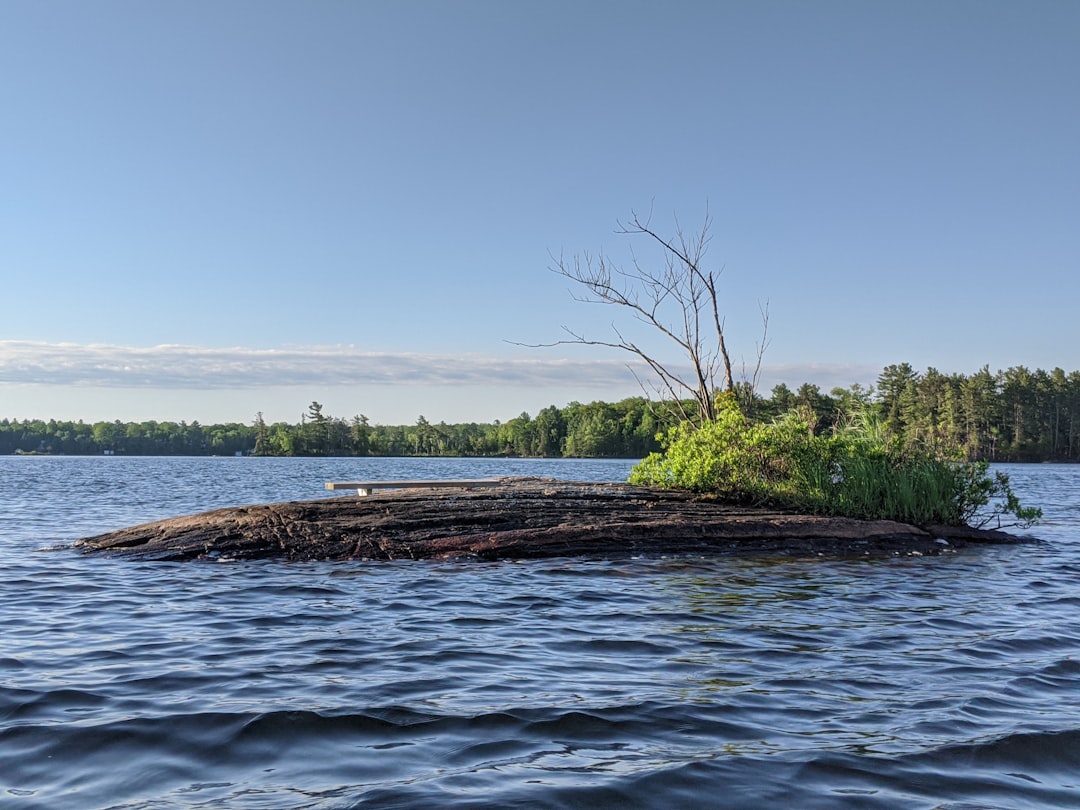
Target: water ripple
[937, 683]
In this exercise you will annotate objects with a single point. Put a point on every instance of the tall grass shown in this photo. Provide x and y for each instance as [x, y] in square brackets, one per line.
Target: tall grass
[857, 471]
[916, 490]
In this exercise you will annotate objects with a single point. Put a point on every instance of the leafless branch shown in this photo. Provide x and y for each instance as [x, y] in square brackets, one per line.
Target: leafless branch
[680, 285]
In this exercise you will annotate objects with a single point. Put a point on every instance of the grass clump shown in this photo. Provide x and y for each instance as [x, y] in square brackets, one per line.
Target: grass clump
[856, 471]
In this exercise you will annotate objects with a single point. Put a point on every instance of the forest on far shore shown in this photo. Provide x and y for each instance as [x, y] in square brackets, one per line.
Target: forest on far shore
[1011, 415]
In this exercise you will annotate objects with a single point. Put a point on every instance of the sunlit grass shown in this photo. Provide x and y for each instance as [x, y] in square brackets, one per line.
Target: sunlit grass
[856, 471]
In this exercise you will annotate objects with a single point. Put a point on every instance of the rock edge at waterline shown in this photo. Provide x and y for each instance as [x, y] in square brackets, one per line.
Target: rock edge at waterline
[520, 518]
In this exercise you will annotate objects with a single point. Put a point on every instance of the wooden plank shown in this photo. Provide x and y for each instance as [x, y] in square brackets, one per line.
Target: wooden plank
[367, 487]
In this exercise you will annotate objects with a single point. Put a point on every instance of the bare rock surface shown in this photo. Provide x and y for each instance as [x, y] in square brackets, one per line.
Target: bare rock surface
[521, 518]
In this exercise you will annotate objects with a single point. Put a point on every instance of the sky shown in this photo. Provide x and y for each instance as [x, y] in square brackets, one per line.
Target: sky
[214, 209]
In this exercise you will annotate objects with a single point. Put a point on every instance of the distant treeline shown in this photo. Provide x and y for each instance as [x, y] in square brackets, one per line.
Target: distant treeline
[624, 429]
[1013, 415]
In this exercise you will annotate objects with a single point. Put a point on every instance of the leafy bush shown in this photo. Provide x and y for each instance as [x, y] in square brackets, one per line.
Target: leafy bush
[857, 471]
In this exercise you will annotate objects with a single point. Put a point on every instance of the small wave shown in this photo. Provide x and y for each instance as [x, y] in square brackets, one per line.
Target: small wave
[1041, 752]
[387, 746]
[614, 647]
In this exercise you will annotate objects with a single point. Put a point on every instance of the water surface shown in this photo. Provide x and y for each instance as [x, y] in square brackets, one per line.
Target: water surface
[909, 682]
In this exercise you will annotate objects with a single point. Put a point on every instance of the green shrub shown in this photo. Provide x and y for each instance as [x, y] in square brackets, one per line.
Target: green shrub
[856, 471]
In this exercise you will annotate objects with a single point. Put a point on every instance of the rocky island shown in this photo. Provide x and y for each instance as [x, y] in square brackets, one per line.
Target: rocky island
[521, 518]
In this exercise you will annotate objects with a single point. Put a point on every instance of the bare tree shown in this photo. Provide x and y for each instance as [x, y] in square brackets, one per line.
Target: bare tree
[679, 300]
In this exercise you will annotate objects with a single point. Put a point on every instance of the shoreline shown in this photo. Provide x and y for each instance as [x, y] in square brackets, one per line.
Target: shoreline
[521, 518]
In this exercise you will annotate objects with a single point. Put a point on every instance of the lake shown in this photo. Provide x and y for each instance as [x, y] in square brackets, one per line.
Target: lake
[939, 682]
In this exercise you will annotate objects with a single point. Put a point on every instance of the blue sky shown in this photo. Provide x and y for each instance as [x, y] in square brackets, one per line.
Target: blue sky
[211, 209]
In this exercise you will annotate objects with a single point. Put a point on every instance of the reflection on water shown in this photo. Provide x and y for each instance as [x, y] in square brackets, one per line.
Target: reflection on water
[911, 682]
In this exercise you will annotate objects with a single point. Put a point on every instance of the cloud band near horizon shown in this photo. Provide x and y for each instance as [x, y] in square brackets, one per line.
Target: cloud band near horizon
[202, 368]
[185, 367]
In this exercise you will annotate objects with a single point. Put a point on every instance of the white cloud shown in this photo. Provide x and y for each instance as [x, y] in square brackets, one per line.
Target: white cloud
[96, 381]
[200, 368]
[197, 368]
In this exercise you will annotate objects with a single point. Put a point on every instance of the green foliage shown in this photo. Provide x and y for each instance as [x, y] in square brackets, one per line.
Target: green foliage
[857, 470]
[988, 499]
[625, 429]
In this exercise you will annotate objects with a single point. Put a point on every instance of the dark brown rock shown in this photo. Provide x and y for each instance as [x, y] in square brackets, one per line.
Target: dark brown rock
[521, 518]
